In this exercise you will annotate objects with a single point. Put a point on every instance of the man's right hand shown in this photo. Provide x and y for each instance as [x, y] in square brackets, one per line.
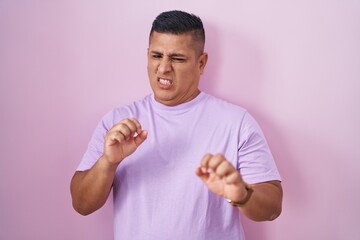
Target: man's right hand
[122, 140]
[91, 188]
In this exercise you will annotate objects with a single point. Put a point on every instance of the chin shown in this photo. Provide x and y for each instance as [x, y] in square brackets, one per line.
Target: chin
[165, 99]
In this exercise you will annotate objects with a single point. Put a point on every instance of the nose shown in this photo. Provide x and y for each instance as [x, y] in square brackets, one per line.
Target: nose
[164, 66]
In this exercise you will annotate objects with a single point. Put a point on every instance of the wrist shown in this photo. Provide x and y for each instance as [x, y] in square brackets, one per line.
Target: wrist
[242, 202]
[107, 164]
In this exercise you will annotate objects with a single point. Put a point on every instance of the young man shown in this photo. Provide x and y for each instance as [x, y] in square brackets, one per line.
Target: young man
[148, 152]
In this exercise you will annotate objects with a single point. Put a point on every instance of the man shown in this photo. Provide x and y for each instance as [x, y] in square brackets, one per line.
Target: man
[147, 152]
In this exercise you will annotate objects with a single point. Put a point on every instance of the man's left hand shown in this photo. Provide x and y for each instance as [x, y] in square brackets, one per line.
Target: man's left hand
[221, 177]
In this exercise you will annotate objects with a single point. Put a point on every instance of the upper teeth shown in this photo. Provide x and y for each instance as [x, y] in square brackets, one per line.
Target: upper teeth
[164, 81]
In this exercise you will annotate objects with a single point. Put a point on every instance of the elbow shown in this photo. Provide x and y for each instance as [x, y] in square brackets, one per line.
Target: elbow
[84, 205]
[265, 217]
[275, 214]
[83, 212]
[277, 204]
[79, 202]
[81, 209]
[277, 209]
[268, 214]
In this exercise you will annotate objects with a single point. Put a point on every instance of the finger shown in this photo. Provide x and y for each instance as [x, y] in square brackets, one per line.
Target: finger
[201, 171]
[224, 168]
[233, 177]
[128, 127]
[134, 125]
[126, 130]
[215, 161]
[114, 137]
[204, 162]
[201, 174]
[139, 139]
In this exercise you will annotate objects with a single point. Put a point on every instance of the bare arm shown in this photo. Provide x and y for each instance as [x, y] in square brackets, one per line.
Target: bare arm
[222, 178]
[90, 189]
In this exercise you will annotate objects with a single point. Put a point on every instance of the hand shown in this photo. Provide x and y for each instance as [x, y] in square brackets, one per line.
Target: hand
[122, 140]
[221, 177]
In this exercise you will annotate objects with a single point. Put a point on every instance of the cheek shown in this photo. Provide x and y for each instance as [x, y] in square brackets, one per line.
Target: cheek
[150, 73]
[188, 74]
[151, 66]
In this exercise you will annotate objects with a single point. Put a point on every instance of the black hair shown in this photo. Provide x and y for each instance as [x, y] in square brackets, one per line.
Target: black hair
[179, 22]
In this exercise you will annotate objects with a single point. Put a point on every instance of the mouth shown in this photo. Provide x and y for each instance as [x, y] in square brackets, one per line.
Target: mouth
[164, 83]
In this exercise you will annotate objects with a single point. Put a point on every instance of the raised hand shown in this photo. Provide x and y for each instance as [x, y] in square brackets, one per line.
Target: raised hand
[221, 177]
[122, 140]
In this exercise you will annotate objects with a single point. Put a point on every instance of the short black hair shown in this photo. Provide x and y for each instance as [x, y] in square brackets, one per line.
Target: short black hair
[179, 22]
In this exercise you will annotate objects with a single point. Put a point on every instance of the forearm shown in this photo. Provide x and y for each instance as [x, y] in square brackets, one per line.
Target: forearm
[265, 202]
[90, 189]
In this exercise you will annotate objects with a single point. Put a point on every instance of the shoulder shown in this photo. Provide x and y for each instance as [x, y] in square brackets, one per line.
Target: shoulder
[231, 113]
[126, 111]
[223, 107]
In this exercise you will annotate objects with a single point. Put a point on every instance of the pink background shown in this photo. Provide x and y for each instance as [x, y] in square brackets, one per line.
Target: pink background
[295, 65]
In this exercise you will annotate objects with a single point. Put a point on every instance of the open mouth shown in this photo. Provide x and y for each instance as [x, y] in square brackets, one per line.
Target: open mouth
[165, 83]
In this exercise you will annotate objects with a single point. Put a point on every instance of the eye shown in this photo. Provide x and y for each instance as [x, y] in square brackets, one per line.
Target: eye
[178, 59]
[156, 56]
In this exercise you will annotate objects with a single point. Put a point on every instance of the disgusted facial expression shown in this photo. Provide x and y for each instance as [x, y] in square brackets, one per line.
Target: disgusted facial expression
[174, 67]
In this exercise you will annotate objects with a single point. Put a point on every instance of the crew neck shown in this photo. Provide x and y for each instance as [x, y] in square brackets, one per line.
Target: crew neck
[180, 107]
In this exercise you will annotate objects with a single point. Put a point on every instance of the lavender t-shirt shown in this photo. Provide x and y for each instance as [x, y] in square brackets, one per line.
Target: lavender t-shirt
[156, 192]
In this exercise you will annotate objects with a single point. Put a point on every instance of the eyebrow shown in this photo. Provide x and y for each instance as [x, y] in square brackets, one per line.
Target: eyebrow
[170, 55]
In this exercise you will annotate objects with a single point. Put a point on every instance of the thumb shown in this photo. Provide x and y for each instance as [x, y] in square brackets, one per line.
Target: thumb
[139, 139]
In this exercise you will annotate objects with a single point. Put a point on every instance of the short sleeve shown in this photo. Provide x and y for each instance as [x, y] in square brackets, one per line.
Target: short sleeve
[255, 161]
[96, 145]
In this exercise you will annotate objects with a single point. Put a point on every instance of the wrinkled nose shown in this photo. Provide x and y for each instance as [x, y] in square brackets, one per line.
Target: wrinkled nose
[164, 66]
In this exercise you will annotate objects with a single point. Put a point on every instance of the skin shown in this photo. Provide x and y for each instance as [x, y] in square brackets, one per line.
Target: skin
[90, 189]
[176, 59]
[221, 177]
[174, 69]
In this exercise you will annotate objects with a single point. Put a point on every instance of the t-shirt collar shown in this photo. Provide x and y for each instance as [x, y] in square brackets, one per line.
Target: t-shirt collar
[180, 107]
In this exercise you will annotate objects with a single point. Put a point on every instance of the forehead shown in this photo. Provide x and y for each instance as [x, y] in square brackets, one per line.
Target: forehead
[167, 42]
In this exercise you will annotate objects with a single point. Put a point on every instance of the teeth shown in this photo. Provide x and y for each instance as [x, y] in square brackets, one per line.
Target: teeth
[164, 81]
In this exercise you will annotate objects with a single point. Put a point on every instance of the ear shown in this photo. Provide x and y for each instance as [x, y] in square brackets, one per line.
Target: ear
[202, 62]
